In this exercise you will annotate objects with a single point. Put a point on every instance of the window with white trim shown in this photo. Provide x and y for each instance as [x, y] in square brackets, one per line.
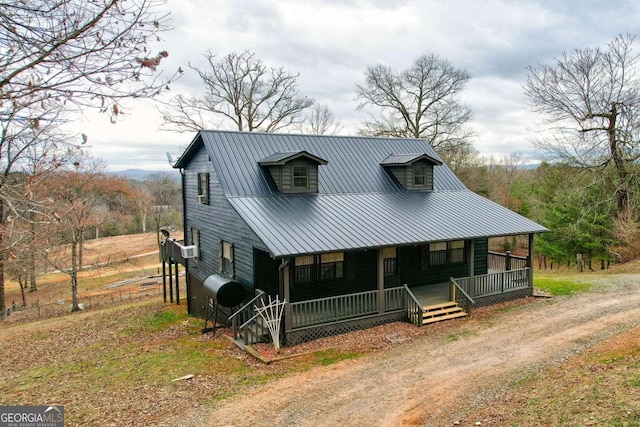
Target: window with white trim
[203, 188]
[301, 177]
[226, 258]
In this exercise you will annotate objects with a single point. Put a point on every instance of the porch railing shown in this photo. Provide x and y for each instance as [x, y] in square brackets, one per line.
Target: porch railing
[245, 314]
[415, 310]
[493, 283]
[342, 307]
[505, 262]
[460, 296]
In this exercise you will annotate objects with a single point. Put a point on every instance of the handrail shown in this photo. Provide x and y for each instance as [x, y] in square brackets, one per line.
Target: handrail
[233, 318]
[468, 302]
[415, 310]
[260, 293]
[466, 295]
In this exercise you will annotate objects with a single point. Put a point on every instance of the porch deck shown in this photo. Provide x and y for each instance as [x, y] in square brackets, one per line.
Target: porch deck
[432, 294]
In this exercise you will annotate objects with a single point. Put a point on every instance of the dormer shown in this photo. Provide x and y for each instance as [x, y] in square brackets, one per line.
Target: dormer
[412, 171]
[293, 171]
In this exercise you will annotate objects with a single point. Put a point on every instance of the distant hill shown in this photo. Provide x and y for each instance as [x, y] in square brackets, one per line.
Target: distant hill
[145, 175]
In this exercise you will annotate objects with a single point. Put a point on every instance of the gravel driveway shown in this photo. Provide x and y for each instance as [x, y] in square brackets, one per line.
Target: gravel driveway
[433, 381]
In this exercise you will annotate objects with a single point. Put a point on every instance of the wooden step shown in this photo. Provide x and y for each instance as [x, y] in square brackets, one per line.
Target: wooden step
[455, 315]
[442, 311]
[442, 305]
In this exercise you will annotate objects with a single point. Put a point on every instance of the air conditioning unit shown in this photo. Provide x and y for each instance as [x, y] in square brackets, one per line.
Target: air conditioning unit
[189, 251]
[201, 198]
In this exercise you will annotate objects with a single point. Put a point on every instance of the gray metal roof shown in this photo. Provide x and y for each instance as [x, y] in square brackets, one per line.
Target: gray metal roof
[353, 162]
[282, 158]
[406, 159]
[358, 205]
[296, 224]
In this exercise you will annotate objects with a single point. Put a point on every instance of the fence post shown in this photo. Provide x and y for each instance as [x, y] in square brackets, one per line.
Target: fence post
[507, 262]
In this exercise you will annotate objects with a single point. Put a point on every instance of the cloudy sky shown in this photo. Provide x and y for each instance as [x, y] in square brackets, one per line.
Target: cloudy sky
[331, 43]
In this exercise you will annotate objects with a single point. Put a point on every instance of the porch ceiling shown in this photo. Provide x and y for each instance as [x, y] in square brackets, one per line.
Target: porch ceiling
[295, 224]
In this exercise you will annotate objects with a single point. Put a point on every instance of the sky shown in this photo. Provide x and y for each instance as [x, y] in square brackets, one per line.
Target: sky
[330, 43]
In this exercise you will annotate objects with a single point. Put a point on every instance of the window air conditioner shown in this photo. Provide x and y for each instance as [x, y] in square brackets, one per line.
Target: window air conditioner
[201, 198]
[189, 251]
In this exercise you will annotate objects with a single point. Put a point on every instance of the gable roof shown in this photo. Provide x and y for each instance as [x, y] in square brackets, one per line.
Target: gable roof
[353, 161]
[358, 205]
[280, 159]
[408, 159]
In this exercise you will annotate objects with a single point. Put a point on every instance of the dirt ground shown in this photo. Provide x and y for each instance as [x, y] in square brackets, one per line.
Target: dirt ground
[439, 379]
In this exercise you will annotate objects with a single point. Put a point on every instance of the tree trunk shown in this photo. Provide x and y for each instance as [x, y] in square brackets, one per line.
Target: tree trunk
[80, 247]
[2, 301]
[32, 256]
[74, 273]
[622, 184]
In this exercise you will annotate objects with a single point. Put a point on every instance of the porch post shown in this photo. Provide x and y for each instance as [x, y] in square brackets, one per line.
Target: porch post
[170, 281]
[530, 260]
[284, 273]
[177, 286]
[472, 260]
[380, 280]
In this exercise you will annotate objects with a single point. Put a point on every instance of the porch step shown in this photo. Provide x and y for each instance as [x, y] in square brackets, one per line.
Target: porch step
[444, 311]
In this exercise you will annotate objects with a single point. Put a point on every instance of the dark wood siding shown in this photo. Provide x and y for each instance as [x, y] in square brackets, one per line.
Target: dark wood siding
[216, 221]
[480, 260]
[360, 275]
[267, 276]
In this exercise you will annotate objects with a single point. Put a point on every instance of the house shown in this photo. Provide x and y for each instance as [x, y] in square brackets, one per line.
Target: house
[350, 232]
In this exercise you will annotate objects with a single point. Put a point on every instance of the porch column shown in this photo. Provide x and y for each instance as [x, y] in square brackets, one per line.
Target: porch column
[472, 260]
[284, 274]
[380, 280]
[177, 286]
[530, 260]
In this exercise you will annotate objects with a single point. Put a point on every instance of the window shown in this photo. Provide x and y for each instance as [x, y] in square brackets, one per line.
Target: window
[456, 251]
[316, 268]
[389, 260]
[438, 253]
[195, 239]
[301, 177]
[203, 188]
[419, 175]
[226, 258]
[441, 253]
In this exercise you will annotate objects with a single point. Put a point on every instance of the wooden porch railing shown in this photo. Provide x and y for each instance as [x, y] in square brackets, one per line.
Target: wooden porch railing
[333, 309]
[505, 262]
[493, 283]
[415, 310]
[460, 296]
[246, 313]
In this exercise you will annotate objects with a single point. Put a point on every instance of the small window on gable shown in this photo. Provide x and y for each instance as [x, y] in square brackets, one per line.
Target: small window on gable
[301, 177]
[203, 188]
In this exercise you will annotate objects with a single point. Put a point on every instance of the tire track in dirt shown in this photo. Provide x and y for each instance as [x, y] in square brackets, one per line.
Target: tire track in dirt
[431, 381]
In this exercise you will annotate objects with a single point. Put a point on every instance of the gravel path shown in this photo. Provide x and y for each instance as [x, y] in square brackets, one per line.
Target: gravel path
[435, 380]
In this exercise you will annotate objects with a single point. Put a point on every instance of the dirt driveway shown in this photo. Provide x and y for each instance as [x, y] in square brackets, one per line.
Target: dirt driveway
[436, 380]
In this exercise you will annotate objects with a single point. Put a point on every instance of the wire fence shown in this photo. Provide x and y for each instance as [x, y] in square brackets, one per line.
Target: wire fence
[114, 295]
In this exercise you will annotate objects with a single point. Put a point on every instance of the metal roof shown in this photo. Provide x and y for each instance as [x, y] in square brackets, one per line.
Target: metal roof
[359, 204]
[279, 159]
[296, 224]
[353, 161]
[407, 159]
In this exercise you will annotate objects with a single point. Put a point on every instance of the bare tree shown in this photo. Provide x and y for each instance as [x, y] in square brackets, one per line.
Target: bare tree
[321, 121]
[420, 102]
[82, 199]
[61, 56]
[590, 99]
[242, 91]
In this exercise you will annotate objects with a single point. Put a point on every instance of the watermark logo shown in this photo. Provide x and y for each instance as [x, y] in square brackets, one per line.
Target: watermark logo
[31, 416]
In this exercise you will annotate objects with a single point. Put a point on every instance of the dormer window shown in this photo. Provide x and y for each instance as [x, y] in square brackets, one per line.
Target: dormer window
[301, 177]
[412, 171]
[419, 175]
[293, 171]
